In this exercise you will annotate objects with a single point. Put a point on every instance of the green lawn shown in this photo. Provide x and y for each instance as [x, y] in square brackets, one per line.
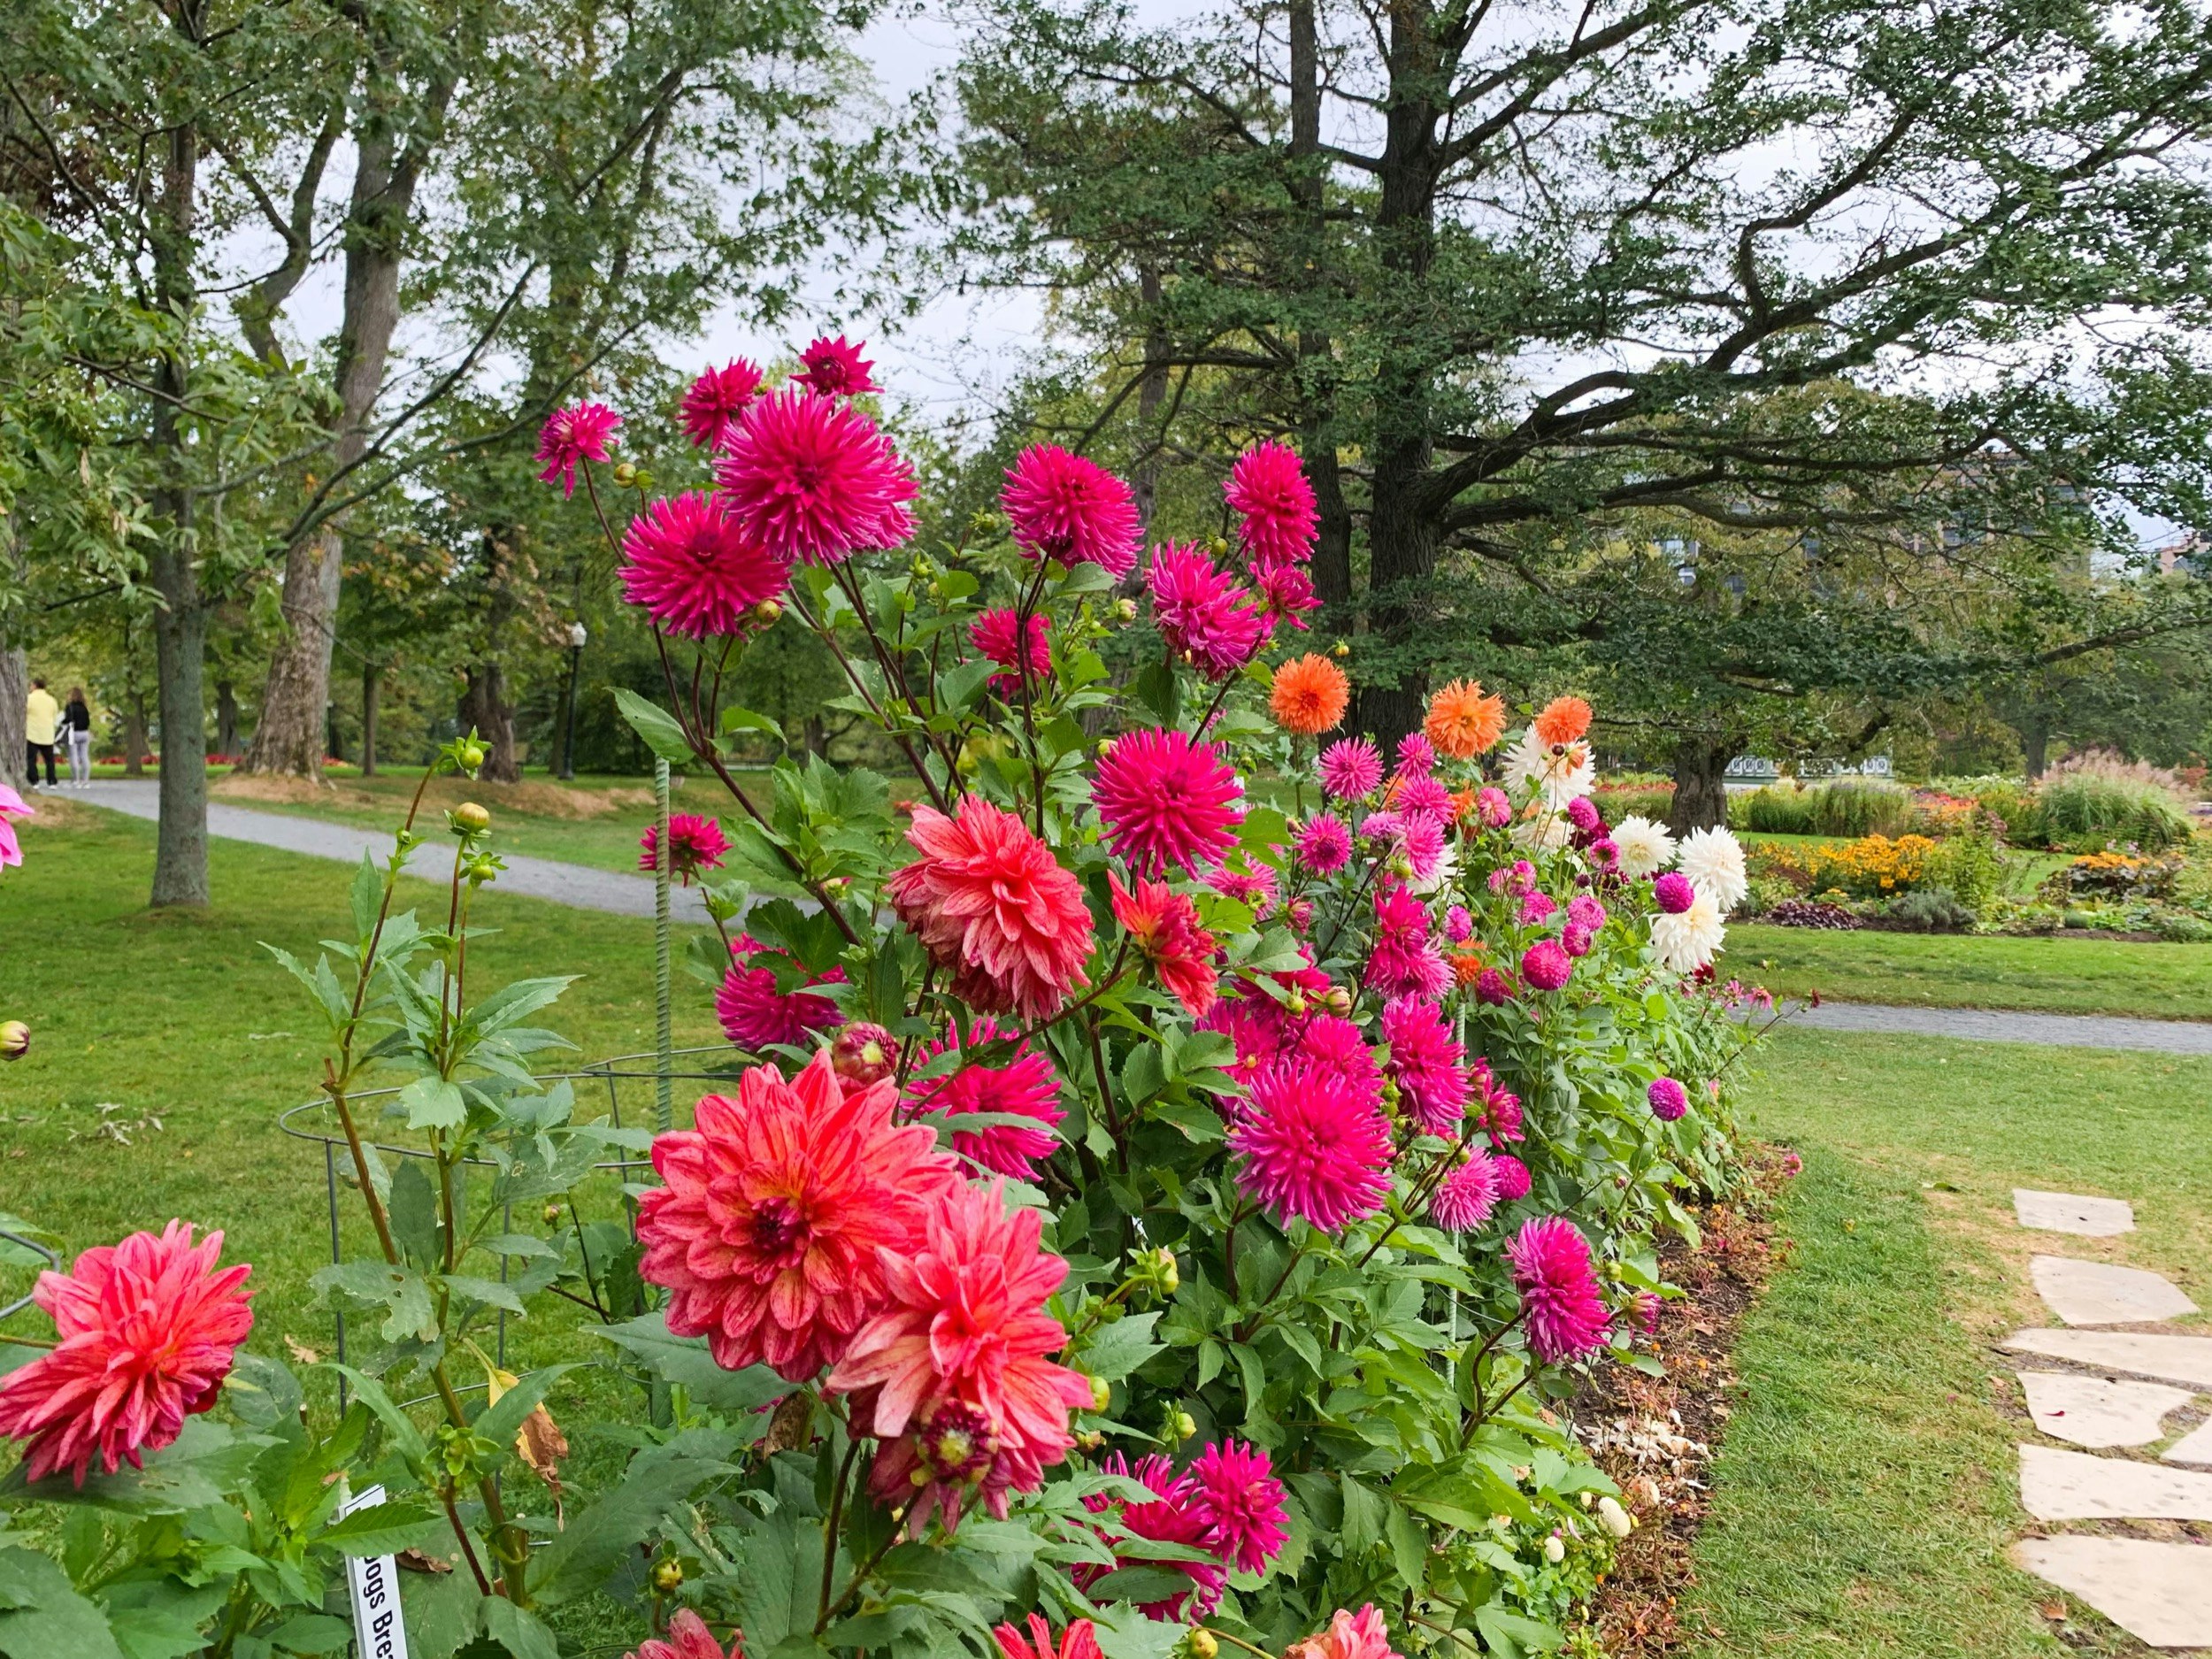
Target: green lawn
[1866, 1490]
[2074, 976]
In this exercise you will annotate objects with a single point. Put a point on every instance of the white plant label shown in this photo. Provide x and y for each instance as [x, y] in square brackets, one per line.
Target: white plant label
[378, 1631]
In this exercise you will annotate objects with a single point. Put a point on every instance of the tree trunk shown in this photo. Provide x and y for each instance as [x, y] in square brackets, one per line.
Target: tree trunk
[226, 718]
[1701, 781]
[370, 684]
[134, 734]
[1316, 353]
[15, 686]
[2035, 745]
[1144, 478]
[484, 707]
[289, 737]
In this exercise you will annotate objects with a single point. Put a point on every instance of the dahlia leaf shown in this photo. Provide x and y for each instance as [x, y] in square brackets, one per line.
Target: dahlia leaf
[486, 1292]
[659, 1483]
[44, 1617]
[737, 719]
[1125, 1634]
[1139, 1584]
[961, 688]
[1117, 1349]
[684, 1360]
[1363, 1513]
[520, 1632]
[382, 1529]
[368, 901]
[433, 1102]
[1408, 1545]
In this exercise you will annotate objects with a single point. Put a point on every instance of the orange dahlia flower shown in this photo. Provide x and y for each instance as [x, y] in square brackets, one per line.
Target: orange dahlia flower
[1461, 722]
[1564, 720]
[1310, 695]
[1467, 964]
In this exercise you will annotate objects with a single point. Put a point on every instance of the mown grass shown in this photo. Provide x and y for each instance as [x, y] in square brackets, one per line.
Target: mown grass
[1866, 1493]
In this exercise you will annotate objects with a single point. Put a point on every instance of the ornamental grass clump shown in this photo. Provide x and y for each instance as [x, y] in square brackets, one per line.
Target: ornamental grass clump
[1163, 1192]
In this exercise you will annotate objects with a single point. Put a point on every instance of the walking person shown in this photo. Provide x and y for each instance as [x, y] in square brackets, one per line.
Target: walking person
[41, 716]
[76, 727]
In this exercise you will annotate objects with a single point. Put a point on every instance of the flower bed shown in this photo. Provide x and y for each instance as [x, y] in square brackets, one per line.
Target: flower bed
[1139, 1220]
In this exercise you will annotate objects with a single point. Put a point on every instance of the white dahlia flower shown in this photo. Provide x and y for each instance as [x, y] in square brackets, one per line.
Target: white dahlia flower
[1713, 860]
[1690, 940]
[1560, 772]
[1646, 848]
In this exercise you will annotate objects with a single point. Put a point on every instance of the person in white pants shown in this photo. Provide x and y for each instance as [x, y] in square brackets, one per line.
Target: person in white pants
[76, 725]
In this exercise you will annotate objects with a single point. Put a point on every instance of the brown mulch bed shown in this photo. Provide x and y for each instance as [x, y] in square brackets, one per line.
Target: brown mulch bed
[1657, 1435]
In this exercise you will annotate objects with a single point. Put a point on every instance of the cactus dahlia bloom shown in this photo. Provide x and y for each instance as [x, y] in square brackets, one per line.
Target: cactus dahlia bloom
[813, 479]
[1404, 961]
[1204, 613]
[710, 408]
[1350, 769]
[1463, 722]
[147, 1328]
[1021, 1083]
[1235, 1491]
[1555, 773]
[1063, 507]
[689, 1637]
[1687, 940]
[1560, 1308]
[695, 843]
[1172, 1515]
[694, 570]
[1325, 846]
[572, 436]
[1713, 860]
[755, 1013]
[1312, 1145]
[1645, 848]
[1464, 1199]
[1562, 720]
[1309, 695]
[1425, 1062]
[992, 634]
[988, 901]
[1164, 923]
[779, 1211]
[1166, 801]
[1361, 1635]
[951, 1373]
[835, 368]
[1267, 489]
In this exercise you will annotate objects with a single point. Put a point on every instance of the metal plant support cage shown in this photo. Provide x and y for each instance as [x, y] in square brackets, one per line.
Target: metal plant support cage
[612, 1074]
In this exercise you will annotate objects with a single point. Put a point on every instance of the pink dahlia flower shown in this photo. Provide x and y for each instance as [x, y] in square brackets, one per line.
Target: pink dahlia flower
[1492, 989]
[1020, 1083]
[1673, 893]
[146, 1330]
[572, 436]
[694, 570]
[1361, 1635]
[1334, 1044]
[1546, 965]
[1537, 907]
[756, 1012]
[1498, 1115]
[1350, 769]
[1576, 941]
[1421, 838]
[1491, 808]
[695, 843]
[1464, 1199]
[1668, 1098]
[1202, 612]
[963, 1324]
[1164, 924]
[689, 1637]
[1585, 912]
[1234, 1490]
[1645, 1309]
[1311, 1147]
[1172, 1515]
[988, 901]
[1267, 489]
[1513, 1176]
[717, 401]
[1560, 1308]
[1167, 802]
[992, 634]
[1063, 507]
[1459, 925]
[1416, 755]
[1325, 846]
[1080, 1640]
[835, 368]
[1582, 813]
[812, 478]
[1422, 793]
[1286, 592]
[1424, 1063]
[1404, 961]
[779, 1211]
[11, 807]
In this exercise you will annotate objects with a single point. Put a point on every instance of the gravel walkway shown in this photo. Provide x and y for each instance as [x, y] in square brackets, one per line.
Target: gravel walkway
[578, 884]
[2066, 1030]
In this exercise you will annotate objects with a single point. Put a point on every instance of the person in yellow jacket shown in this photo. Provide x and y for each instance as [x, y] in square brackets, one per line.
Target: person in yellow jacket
[41, 715]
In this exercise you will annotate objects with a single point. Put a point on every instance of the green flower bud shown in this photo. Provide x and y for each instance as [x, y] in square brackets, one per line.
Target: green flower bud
[624, 474]
[668, 1576]
[468, 818]
[1102, 1394]
[472, 757]
[552, 1214]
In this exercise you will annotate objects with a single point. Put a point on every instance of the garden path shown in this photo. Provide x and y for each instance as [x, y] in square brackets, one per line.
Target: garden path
[1987, 1024]
[2153, 1578]
[577, 885]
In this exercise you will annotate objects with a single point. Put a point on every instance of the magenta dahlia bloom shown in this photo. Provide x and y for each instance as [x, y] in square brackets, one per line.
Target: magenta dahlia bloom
[1311, 1148]
[1380, 827]
[1334, 1044]
[1584, 912]
[1604, 854]
[1234, 1489]
[1459, 925]
[1267, 489]
[694, 570]
[716, 402]
[695, 843]
[1424, 1063]
[1172, 1515]
[1202, 612]
[1546, 965]
[755, 1013]
[1325, 846]
[1513, 1176]
[1404, 961]
[572, 436]
[1422, 793]
[1020, 1082]
[1499, 1116]
[11, 807]
[1576, 941]
[1537, 907]
[1673, 893]
[1350, 769]
[1464, 1199]
[1286, 592]
[1668, 1099]
[814, 480]
[1561, 1309]
[1646, 1310]
[1492, 807]
[1492, 988]
[835, 368]
[1421, 837]
[1582, 813]
[1167, 801]
[992, 634]
[1063, 507]
[1416, 755]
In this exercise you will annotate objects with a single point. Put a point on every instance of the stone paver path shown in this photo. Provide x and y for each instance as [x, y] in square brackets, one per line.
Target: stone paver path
[2159, 1593]
[577, 885]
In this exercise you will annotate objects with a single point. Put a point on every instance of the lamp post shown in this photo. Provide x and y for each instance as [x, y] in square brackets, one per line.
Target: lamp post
[576, 637]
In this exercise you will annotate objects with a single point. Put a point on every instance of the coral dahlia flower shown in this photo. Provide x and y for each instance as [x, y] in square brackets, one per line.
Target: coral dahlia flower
[780, 1208]
[1164, 923]
[756, 1011]
[1310, 1146]
[1080, 1640]
[1202, 612]
[1234, 1490]
[988, 900]
[1166, 801]
[1361, 1635]
[835, 368]
[813, 479]
[689, 1637]
[1021, 1084]
[1425, 1062]
[1063, 507]
[992, 634]
[1351, 770]
[715, 402]
[1267, 489]
[695, 843]
[1463, 722]
[147, 1328]
[1562, 720]
[1561, 1309]
[11, 807]
[694, 569]
[572, 436]
[1309, 695]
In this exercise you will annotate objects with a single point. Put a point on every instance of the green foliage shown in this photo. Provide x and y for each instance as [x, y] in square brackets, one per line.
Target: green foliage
[2087, 809]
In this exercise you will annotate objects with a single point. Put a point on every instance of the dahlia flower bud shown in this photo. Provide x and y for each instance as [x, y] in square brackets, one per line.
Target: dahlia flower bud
[624, 474]
[1186, 1425]
[668, 1576]
[472, 757]
[1198, 1643]
[1124, 611]
[767, 611]
[1339, 1001]
[1102, 1394]
[1341, 650]
[550, 1214]
[469, 818]
[15, 1040]
[864, 1053]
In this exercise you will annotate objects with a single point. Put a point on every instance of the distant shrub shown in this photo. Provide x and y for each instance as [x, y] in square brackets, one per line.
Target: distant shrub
[1862, 806]
[1779, 809]
[1812, 913]
[2113, 874]
[1637, 799]
[1969, 866]
[1937, 812]
[2095, 799]
[1930, 910]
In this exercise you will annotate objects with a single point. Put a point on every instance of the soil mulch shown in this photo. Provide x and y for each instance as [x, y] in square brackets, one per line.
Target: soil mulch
[1657, 1435]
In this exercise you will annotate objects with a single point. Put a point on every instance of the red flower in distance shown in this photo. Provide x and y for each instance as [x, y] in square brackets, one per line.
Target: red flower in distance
[695, 843]
[1063, 507]
[992, 634]
[988, 901]
[813, 479]
[1166, 801]
[714, 402]
[835, 368]
[778, 1208]
[147, 1329]
[1164, 923]
[693, 568]
[1267, 488]
[572, 436]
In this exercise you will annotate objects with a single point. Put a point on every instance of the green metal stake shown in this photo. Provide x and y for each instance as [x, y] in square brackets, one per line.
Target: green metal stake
[664, 1036]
